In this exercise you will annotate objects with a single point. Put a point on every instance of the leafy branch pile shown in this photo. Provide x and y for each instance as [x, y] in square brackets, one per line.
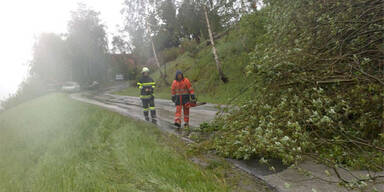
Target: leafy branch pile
[318, 81]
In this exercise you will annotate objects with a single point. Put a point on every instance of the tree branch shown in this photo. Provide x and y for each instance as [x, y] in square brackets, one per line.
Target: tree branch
[366, 74]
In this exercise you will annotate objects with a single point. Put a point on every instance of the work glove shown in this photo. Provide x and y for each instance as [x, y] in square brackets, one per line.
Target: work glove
[193, 98]
[174, 98]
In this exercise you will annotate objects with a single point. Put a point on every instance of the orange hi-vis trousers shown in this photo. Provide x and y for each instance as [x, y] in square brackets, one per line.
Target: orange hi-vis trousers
[181, 92]
[179, 109]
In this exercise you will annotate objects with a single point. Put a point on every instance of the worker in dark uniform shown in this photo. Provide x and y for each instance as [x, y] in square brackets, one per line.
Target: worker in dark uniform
[147, 86]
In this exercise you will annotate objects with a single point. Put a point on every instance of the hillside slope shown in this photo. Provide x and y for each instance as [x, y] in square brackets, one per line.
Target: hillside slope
[197, 63]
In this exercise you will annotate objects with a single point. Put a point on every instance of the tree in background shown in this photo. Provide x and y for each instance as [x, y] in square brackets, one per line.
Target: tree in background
[190, 19]
[50, 59]
[136, 16]
[88, 46]
[120, 45]
[142, 23]
[169, 29]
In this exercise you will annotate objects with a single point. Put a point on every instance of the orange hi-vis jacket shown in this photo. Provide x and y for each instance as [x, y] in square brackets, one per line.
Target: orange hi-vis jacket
[182, 90]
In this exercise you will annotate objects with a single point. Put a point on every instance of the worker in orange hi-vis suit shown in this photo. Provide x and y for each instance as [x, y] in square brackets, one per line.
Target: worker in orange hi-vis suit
[182, 95]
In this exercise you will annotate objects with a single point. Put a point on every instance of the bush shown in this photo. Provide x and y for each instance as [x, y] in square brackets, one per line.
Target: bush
[169, 54]
[189, 46]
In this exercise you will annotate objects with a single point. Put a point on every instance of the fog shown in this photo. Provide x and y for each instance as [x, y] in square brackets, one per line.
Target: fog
[23, 20]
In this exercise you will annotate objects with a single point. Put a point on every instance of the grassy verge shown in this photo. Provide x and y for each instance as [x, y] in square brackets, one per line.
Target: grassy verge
[55, 144]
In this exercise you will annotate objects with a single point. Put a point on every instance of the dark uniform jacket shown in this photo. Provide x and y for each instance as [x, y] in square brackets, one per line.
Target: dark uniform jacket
[146, 86]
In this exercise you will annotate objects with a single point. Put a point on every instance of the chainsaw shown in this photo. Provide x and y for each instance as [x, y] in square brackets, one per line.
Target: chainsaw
[196, 104]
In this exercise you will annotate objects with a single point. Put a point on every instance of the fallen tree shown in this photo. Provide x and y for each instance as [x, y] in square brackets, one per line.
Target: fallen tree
[318, 84]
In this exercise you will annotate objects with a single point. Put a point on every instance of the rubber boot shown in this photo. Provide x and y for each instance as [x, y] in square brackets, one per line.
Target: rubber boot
[153, 115]
[178, 126]
[146, 115]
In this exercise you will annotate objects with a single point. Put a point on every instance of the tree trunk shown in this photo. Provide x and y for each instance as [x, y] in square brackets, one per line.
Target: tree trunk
[218, 64]
[158, 64]
[243, 7]
[165, 70]
[382, 113]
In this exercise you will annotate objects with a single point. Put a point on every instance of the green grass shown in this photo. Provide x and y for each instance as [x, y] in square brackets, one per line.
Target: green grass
[56, 144]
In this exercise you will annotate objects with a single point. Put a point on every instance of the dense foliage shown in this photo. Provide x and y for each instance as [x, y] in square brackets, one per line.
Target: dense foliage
[168, 22]
[318, 80]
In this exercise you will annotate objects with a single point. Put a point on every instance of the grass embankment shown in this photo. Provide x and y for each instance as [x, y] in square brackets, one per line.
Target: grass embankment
[55, 144]
[198, 65]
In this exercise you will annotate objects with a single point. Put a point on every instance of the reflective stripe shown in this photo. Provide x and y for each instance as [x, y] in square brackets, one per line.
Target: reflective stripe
[141, 85]
[145, 96]
[147, 84]
[182, 93]
[152, 108]
[179, 90]
[146, 109]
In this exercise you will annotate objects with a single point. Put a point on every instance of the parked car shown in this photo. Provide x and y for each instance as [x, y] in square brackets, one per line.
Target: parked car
[94, 85]
[119, 77]
[71, 87]
[51, 87]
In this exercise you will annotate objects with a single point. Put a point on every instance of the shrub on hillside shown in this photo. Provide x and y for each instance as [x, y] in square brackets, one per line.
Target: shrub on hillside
[190, 46]
[170, 54]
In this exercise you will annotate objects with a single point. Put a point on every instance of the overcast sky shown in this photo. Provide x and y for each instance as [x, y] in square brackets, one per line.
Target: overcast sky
[22, 20]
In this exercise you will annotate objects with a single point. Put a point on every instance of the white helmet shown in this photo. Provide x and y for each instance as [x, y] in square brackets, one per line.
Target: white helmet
[145, 69]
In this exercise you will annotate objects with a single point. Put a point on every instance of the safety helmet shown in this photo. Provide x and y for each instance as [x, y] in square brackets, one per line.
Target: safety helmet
[145, 69]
